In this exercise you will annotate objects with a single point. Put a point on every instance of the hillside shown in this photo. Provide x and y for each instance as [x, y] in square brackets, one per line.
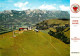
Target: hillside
[32, 43]
[58, 28]
[53, 23]
[56, 21]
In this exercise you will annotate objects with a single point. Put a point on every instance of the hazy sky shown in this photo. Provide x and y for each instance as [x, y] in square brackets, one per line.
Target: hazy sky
[34, 4]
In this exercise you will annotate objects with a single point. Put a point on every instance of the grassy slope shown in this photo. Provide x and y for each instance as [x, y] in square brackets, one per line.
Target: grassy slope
[67, 33]
[31, 43]
[57, 21]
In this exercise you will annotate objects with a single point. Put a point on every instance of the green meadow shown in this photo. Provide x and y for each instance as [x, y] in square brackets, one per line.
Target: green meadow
[31, 43]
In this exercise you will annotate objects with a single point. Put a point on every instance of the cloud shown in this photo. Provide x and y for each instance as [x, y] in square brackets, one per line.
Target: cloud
[64, 8]
[21, 6]
[47, 7]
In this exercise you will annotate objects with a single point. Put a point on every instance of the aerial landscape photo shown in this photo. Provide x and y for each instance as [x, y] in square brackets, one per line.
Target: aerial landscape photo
[34, 28]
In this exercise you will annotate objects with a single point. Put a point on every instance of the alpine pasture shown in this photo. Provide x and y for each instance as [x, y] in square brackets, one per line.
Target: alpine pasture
[32, 43]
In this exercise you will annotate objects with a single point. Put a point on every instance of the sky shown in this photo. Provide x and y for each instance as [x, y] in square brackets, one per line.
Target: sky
[63, 5]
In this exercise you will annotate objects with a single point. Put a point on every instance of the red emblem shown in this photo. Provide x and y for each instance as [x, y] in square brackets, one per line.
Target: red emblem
[75, 8]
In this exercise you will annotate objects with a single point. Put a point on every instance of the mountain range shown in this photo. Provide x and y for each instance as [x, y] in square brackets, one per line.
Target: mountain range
[30, 17]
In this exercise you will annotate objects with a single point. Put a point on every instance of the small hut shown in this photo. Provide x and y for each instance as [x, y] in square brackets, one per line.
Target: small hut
[21, 29]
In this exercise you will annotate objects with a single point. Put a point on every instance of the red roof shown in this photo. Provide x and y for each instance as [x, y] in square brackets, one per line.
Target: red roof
[21, 28]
